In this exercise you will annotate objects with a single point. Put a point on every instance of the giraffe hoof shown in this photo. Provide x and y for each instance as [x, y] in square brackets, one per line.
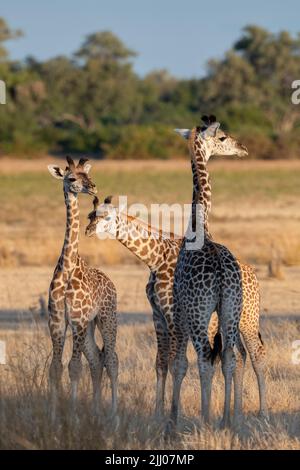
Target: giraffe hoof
[225, 423]
[114, 422]
[75, 420]
[158, 415]
[170, 432]
[238, 419]
[264, 416]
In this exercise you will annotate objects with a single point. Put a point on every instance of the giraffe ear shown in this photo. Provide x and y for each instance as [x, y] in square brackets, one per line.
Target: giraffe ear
[87, 167]
[83, 165]
[206, 120]
[185, 133]
[211, 131]
[56, 172]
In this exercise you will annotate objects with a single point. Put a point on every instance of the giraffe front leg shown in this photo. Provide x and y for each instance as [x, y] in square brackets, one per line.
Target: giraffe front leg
[57, 327]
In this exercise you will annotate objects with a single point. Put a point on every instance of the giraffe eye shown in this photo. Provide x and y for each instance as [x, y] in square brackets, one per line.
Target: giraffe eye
[72, 180]
[222, 139]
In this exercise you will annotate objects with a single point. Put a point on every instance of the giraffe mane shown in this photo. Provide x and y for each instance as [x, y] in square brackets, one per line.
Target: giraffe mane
[151, 229]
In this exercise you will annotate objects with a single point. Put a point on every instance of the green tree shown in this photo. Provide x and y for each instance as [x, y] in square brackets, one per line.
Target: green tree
[6, 34]
[104, 46]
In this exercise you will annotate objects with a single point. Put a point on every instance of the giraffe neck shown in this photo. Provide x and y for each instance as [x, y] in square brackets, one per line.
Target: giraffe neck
[201, 181]
[147, 243]
[69, 252]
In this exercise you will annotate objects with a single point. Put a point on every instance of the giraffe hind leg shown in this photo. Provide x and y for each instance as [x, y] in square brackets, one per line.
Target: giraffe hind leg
[162, 359]
[238, 378]
[179, 368]
[206, 371]
[107, 326]
[230, 334]
[257, 352]
[95, 358]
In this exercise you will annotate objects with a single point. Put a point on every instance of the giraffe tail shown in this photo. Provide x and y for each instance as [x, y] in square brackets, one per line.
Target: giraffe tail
[217, 347]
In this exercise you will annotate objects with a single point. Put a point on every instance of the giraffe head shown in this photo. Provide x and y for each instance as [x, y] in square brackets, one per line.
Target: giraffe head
[75, 178]
[102, 218]
[215, 141]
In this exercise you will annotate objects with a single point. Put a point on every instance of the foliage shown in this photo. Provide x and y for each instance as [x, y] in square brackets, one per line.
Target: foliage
[93, 102]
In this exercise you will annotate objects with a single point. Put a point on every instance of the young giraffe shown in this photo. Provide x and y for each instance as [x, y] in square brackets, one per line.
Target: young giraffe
[160, 255]
[82, 297]
[207, 279]
[159, 252]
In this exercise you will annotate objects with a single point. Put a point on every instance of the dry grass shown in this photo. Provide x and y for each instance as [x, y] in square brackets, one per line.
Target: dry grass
[25, 403]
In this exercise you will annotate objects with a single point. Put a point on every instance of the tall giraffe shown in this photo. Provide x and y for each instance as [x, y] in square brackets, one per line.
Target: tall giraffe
[82, 297]
[249, 321]
[207, 279]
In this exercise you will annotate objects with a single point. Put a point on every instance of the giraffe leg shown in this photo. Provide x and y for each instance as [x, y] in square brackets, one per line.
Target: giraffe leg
[228, 368]
[179, 368]
[257, 354]
[161, 330]
[238, 379]
[95, 358]
[230, 333]
[229, 311]
[57, 326]
[79, 330]
[206, 372]
[108, 328]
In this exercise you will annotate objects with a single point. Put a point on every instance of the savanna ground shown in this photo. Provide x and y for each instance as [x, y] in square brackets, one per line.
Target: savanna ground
[255, 212]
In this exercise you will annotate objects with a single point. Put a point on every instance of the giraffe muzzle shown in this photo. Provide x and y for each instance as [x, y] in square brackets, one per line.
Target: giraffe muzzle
[243, 151]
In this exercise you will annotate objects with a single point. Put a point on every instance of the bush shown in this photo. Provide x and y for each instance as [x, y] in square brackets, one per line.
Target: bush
[145, 142]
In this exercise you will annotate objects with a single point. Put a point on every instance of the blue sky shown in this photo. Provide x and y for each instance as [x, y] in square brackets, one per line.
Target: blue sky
[179, 35]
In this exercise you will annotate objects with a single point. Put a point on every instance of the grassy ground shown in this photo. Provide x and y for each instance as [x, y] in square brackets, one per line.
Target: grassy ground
[25, 402]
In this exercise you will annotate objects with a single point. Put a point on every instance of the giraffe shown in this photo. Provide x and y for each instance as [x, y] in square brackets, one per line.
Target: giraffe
[82, 297]
[207, 278]
[250, 316]
[160, 254]
[159, 251]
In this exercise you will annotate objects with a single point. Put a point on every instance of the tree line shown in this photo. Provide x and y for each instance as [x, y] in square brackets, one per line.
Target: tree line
[94, 103]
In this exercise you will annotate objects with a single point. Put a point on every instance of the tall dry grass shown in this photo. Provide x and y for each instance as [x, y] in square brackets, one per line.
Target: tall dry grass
[25, 419]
